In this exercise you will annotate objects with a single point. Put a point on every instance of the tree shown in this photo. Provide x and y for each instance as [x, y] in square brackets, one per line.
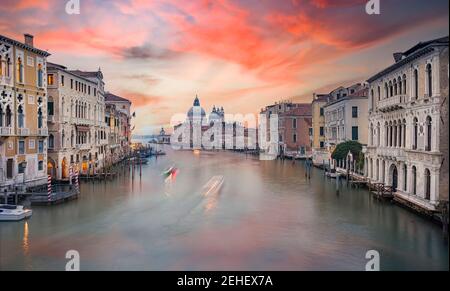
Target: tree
[342, 149]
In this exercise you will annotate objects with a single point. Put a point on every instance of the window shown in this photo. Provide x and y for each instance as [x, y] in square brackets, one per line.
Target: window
[429, 131]
[355, 112]
[71, 83]
[20, 117]
[321, 112]
[355, 133]
[31, 144]
[50, 108]
[414, 180]
[21, 147]
[40, 76]
[322, 144]
[294, 123]
[62, 81]
[20, 70]
[322, 131]
[40, 165]
[405, 178]
[41, 147]
[40, 118]
[50, 80]
[416, 84]
[427, 184]
[430, 80]
[9, 168]
[415, 133]
[294, 138]
[21, 168]
[51, 141]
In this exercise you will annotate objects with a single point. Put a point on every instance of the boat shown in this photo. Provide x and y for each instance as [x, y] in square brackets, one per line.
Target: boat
[333, 174]
[14, 212]
[213, 185]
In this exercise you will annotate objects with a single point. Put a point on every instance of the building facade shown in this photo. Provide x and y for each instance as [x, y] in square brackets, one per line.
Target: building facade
[346, 115]
[320, 154]
[118, 121]
[78, 136]
[295, 128]
[408, 125]
[23, 113]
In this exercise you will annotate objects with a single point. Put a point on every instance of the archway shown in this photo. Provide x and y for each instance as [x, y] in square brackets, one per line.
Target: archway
[393, 172]
[51, 168]
[64, 169]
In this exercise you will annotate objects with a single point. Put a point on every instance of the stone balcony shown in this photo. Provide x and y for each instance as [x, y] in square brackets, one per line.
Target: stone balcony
[392, 103]
[23, 132]
[6, 131]
[395, 154]
[42, 132]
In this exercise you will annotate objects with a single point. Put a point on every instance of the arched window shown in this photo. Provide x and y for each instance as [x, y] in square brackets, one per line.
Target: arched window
[416, 84]
[404, 132]
[386, 134]
[414, 180]
[415, 133]
[394, 135]
[20, 117]
[400, 132]
[40, 76]
[63, 139]
[379, 93]
[378, 134]
[429, 80]
[427, 184]
[371, 134]
[40, 118]
[386, 90]
[20, 70]
[404, 84]
[429, 131]
[405, 178]
[1, 115]
[1, 65]
[390, 134]
[395, 87]
[8, 116]
[400, 86]
[391, 89]
[51, 141]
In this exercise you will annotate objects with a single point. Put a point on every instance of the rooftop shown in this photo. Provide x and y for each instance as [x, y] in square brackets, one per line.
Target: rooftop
[24, 46]
[114, 98]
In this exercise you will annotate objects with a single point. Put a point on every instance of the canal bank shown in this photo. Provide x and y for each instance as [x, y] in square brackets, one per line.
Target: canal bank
[266, 217]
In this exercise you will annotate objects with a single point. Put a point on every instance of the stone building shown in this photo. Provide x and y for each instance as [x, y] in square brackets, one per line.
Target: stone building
[320, 154]
[346, 115]
[295, 127]
[23, 113]
[76, 121]
[408, 125]
[120, 108]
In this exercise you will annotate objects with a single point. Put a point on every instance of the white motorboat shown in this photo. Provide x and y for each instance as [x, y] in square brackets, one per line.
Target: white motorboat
[14, 212]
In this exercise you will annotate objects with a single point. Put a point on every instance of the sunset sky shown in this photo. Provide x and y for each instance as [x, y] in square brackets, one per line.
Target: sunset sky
[241, 55]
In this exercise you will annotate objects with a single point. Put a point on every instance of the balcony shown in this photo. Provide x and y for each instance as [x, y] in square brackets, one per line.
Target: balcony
[83, 147]
[5, 81]
[6, 131]
[51, 119]
[397, 154]
[392, 103]
[23, 132]
[42, 132]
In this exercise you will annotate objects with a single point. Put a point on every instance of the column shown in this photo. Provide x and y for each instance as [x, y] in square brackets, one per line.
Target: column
[434, 180]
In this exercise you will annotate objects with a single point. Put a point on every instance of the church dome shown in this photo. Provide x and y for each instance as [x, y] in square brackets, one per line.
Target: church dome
[196, 110]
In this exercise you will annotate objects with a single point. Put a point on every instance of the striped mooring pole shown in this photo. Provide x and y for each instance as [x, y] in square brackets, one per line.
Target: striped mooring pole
[49, 188]
[77, 183]
[70, 174]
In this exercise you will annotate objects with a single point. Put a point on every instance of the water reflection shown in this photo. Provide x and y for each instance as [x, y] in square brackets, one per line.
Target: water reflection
[25, 243]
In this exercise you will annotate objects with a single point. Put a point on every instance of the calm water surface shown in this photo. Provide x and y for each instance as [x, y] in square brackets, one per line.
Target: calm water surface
[266, 217]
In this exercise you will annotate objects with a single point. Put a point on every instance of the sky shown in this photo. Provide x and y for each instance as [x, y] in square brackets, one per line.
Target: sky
[239, 54]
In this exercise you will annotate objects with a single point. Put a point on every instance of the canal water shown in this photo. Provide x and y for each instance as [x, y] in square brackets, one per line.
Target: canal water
[267, 216]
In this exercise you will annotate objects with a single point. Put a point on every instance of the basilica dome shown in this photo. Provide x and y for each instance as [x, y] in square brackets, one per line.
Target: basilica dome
[196, 110]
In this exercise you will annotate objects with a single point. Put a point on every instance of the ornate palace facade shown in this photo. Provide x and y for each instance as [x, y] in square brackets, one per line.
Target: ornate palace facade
[408, 125]
[23, 113]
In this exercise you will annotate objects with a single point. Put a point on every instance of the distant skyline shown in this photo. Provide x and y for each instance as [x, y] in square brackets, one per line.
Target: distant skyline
[241, 55]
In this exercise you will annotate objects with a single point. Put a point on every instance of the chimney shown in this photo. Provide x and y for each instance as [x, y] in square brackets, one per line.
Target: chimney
[398, 57]
[29, 39]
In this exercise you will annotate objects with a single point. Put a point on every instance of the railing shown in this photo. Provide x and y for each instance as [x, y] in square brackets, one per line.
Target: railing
[392, 103]
[398, 153]
[51, 119]
[23, 132]
[6, 131]
[42, 132]
[5, 80]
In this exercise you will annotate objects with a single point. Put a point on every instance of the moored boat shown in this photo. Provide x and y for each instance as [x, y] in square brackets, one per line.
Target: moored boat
[14, 212]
